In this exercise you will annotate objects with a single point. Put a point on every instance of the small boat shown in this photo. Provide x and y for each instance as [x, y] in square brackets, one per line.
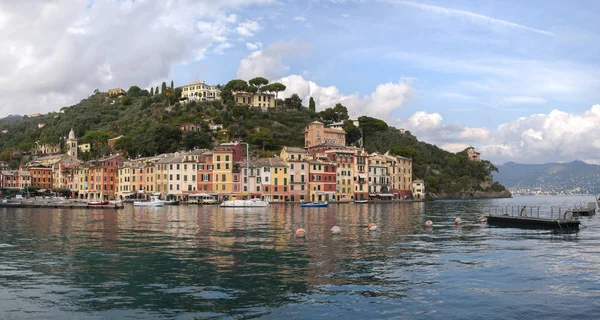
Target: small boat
[315, 205]
[115, 202]
[244, 203]
[98, 203]
[154, 202]
[172, 203]
[361, 201]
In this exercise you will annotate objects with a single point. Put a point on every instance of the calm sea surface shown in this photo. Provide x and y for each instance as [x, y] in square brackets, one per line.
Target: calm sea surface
[205, 262]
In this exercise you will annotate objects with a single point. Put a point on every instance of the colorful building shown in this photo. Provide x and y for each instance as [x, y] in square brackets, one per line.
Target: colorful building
[297, 161]
[322, 184]
[315, 133]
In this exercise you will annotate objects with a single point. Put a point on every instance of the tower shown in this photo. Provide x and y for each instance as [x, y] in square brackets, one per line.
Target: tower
[72, 144]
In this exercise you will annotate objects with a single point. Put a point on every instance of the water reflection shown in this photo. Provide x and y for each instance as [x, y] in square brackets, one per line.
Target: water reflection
[205, 261]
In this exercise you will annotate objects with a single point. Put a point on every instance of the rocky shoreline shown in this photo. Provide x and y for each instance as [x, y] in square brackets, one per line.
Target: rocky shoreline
[462, 195]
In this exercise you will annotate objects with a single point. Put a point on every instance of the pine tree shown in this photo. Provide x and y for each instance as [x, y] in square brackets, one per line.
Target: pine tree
[156, 91]
[152, 91]
[172, 87]
[164, 88]
[311, 104]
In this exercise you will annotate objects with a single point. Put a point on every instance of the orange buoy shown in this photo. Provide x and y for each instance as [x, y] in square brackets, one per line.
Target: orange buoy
[457, 221]
[336, 230]
[372, 227]
[300, 232]
[428, 223]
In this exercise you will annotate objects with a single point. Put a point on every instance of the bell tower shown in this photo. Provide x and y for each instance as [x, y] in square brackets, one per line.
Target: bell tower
[72, 144]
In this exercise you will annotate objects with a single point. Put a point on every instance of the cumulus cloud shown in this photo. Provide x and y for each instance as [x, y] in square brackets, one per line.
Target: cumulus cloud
[77, 46]
[268, 61]
[539, 138]
[248, 28]
[556, 136]
[381, 103]
[300, 18]
[253, 46]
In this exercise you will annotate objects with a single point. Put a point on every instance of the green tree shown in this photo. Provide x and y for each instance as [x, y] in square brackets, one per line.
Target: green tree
[370, 125]
[152, 91]
[264, 138]
[293, 102]
[335, 114]
[311, 104]
[353, 133]
[172, 85]
[156, 90]
[164, 88]
[197, 139]
[134, 91]
[258, 82]
[274, 87]
[404, 151]
[233, 85]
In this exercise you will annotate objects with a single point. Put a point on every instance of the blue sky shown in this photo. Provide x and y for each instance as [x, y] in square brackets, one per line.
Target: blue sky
[516, 79]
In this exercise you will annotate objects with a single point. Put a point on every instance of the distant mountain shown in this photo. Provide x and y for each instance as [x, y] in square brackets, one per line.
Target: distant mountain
[575, 177]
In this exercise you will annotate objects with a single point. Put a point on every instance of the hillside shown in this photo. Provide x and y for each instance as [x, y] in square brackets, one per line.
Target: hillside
[575, 177]
[148, 122]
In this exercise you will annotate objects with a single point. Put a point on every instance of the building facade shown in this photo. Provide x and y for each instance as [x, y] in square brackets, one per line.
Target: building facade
[315, 133]
[200, 91]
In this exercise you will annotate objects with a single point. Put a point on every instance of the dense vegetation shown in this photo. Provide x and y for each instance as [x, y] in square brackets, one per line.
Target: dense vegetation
[148, 122]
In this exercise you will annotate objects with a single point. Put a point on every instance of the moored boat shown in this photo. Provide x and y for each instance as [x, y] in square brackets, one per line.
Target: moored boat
[244, 203]
[154, 202]
[172, 203]
[361, 201]
[98, 203]
[315, 205]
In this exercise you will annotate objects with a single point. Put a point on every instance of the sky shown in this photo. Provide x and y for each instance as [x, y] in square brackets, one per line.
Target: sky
[518, 80]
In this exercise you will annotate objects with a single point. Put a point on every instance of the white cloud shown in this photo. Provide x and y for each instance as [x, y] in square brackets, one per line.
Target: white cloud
[253, 46]
[300, 18]
[248, 28]
[471, 16]
[521, 99]
[78, 46]
[557, 136]
[268, 61]
[455, 96]
[539, 138]
[474, 133]
[381, 103]
[454, 147]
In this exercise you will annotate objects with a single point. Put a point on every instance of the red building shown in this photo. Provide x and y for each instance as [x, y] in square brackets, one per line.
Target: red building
[102, 177]
[205, 172]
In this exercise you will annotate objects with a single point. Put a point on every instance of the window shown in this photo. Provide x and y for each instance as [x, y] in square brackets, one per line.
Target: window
[218, 166]
[177, 177]
[223, 177]
[218, 158]
[226, 157]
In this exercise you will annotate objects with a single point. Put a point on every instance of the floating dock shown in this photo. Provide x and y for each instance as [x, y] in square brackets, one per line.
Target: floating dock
[67, 205]
[588, 209]
[533, 222]
[528, 217]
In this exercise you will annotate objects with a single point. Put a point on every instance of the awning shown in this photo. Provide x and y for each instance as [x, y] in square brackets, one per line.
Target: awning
[140, 191]
[41, 190]
[385, 195]
[362, 176]
[127, 194]
[157, 194]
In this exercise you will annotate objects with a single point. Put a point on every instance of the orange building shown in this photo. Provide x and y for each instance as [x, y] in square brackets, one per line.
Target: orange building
[41, 177]
[315, 133]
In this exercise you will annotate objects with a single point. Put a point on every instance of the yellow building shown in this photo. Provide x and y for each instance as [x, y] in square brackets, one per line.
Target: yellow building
[255, 100]
[116, 92]
[473, 155]
[85, 147]
[200, 91]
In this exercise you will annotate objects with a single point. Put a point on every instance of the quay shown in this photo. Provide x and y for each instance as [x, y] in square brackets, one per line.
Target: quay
[66, 205]
[529, 218]
[588, 209]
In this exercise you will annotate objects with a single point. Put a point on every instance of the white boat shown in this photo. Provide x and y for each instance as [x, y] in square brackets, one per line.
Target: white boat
[244, 203]
[154, 202]
[201, 198]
